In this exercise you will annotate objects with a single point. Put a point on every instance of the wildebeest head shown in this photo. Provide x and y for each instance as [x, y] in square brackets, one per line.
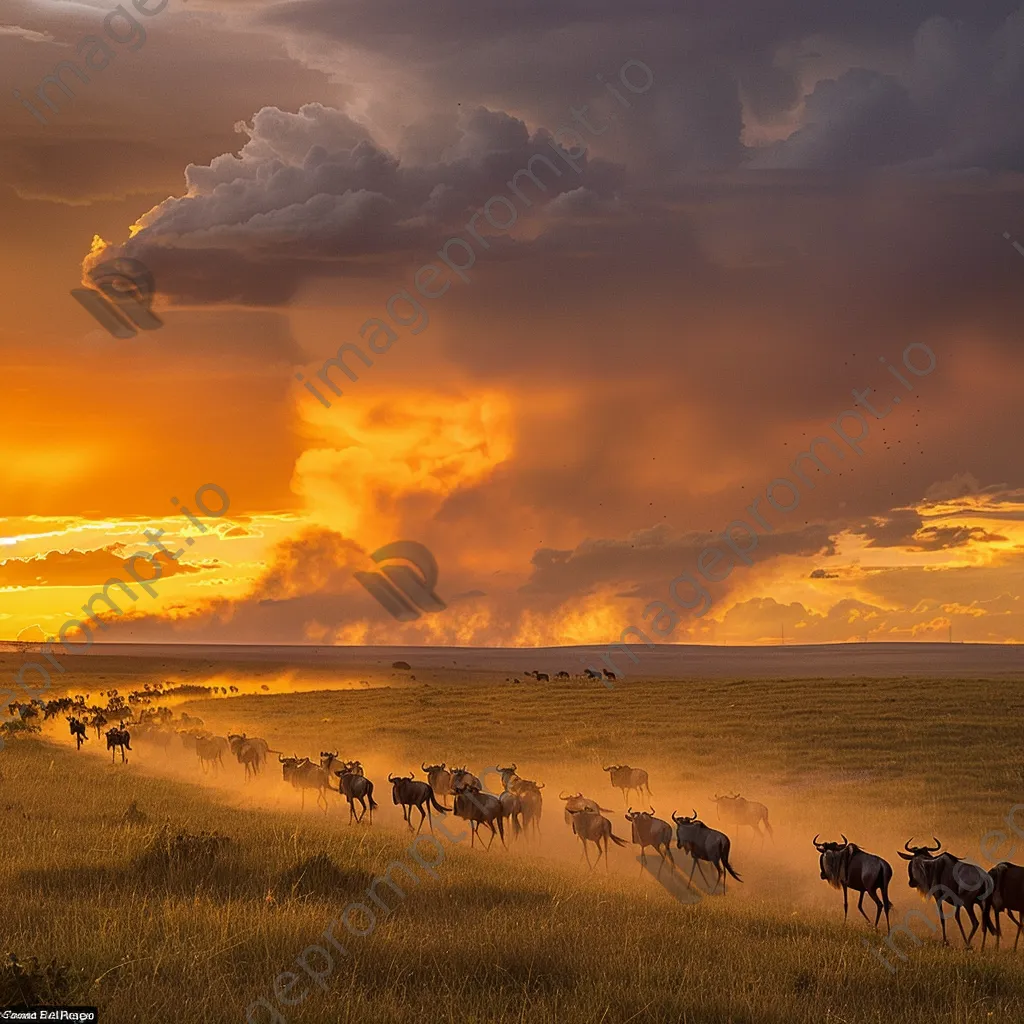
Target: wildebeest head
[613, 768]
[920, 864]
[397, 782]
[428, 768]
[827, 861]
[632, 815]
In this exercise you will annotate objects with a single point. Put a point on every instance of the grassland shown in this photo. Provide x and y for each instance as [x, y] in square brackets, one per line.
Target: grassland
[527, 934]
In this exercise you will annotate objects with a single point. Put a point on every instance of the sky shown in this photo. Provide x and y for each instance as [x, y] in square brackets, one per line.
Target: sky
[742, 215]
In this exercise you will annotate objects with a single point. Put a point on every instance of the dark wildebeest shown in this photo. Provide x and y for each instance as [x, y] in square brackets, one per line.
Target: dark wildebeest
[561, 675]
[98, 721]
[303, 775]
[542, 677]
[947, 879]
[1007, 894]
[579, 802]
[409, 793]
[354, 785]
[461, 778]
[703, 843]
[593, 827]
[651, 831]
[119, 737]
[846, 866]
[591, 674]
[479, 809]
[609, 675]
[440, 780]
[78, 731]
[625, 778]
[742, 812]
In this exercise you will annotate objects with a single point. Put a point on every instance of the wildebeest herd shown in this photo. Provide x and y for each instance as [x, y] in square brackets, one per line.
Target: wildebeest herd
[935, 874]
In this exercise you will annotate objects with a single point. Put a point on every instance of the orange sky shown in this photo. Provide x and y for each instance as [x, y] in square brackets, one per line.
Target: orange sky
[625, 370]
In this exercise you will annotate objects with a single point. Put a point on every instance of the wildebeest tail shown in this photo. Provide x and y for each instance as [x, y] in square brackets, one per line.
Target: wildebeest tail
[369, 794]
[728, 867]
[434, 803]
[768, 827]
[616, 840]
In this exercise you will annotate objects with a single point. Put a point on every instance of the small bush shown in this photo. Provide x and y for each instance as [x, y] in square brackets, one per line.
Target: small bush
[167, 853]
[29, 984]
[19, 729]
[133, 816]
[319, 876]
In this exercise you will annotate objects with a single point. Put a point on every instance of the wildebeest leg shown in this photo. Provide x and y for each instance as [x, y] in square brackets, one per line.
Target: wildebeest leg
[587, 855]
[880, 906]
[860, 906]
[942, 918]
[423, 818]
[974, 924]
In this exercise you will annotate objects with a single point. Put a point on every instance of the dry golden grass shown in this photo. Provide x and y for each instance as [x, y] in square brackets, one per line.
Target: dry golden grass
[157, 922]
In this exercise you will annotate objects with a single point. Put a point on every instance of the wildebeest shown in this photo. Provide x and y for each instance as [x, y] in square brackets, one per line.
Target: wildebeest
[533, 804]
[330, 762]
[593, 827]
[210, 751]
[542, 677]
[651, 831]
[462, 778]
[609, 675]
[1007, 894]
[703, 843]
[591, 674]
[78, 731]
[354, 785]
[947, 879]
[119, 737]
[479, 809]
[303, 775]
[561, 675]
[250, 753]
[846, 866]
[625, 778]
[440, 780]
[579, 802]
[512, 809]
[408, 793]
[97, 722]
[743, 812]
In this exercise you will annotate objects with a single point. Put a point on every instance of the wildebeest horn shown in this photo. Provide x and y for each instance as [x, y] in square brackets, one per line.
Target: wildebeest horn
[280, 758]
[423, 766]
[814, 842]
[391, 778]
[539, 785]
[653, 811]
[938, 846]
[677, 818]
[717, 797]
[564, 796]
[630, 811]
[513, 766]
[846, 842]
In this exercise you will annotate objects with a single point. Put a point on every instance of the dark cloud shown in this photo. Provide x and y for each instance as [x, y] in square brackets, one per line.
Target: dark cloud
[83, 568]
